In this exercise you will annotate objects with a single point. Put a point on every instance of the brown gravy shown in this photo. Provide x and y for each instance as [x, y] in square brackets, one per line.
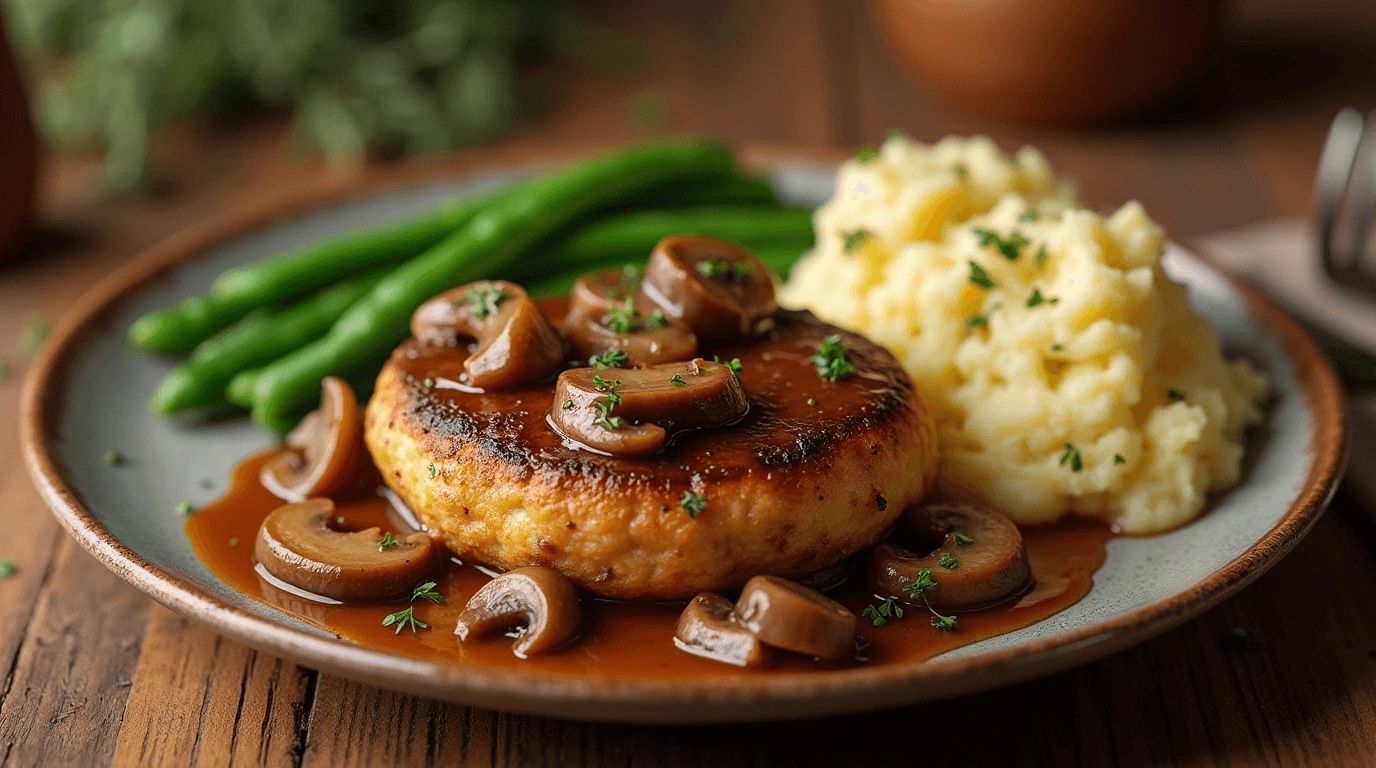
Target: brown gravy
[619, 639]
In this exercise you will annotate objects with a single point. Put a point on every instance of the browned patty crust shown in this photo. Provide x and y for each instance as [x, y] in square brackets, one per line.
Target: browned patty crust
[815, 471]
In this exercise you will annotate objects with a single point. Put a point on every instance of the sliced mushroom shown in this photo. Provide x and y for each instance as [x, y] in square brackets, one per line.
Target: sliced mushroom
[632, 412]
[515, 343]
[538, 601]
[604, 316]
[991, 567]
[719, 290]
[325, 450]
[788, 615]
[706, 628]
[296, 544]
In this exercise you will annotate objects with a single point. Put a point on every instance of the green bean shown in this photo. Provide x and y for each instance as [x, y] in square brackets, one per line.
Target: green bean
[632, 235]
[485, 245]
[252, 342]
[240, 389]
[241, 290]
[729, 190]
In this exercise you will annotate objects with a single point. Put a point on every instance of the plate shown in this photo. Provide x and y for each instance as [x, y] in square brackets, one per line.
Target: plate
[87, 392]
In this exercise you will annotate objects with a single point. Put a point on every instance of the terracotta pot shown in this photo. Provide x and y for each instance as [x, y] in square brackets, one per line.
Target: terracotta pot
[18, 155]
[1050, 61]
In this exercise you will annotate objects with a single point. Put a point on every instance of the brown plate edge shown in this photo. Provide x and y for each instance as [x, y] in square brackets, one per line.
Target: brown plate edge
[770, 697]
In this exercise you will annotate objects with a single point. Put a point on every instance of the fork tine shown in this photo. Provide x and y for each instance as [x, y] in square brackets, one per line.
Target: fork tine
[1330, 185]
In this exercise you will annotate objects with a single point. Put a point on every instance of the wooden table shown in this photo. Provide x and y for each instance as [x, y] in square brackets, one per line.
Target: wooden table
[95, 673]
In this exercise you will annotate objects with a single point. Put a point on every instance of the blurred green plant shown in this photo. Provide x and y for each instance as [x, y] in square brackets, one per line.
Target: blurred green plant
[403, 76]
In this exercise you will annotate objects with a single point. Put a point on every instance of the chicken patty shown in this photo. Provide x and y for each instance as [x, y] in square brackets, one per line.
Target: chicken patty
[814, 472]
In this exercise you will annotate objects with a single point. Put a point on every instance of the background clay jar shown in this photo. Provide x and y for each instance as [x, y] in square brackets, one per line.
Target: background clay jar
[1050, 61]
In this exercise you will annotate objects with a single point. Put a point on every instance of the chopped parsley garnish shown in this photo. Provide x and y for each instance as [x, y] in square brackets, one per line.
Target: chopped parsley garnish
[431, 470]
[693, 503]
[918, 589]
[867, 154]
[427, 591]
[852, 240]
[1175, 395]
[830, 359]
[979, 277]
[428, 383]
[812, 401]
[961, 170]
[710, 268]
[734, 364]
[978, 321]
[405, 619]
[1010, 248]
[485, 300]
[879, 615]
[623, 319]
[388, 541]
[948, 561]
[7, 568]
[185, 508]
[606, 405]
[1118, 459]
[656, 319]
[1037, 299]
[113, 458]
[1041, 255]
[1056, 347]
[233, 542]
[896, 133]
[612, 358]
[630, 278]
[962, 539]
[741, 271]
[1029, 215]
[1071, 456]
[677, 381]
[568, 404]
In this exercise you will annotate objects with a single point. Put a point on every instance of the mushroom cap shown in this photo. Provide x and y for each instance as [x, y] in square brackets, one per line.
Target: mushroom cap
[541, 601]
[515, 342]
[991, 569]
[296, 544]
[653, 404]
[793, 617]
[325, 450]
[591, 302]
[719, 290]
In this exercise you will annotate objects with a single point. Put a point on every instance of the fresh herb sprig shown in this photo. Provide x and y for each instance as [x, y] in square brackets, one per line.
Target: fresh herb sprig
[919, 588]
[612, 358]
[406, 618]
[881, 614]
[1071, 456]
[607, 404]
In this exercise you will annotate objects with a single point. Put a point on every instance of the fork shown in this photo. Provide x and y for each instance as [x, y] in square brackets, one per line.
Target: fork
[1344, 199]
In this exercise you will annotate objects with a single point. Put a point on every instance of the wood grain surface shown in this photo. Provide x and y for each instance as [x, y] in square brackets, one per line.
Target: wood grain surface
[92, 673]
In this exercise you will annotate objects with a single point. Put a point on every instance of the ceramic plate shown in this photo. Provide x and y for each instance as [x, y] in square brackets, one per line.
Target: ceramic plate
[87, 392]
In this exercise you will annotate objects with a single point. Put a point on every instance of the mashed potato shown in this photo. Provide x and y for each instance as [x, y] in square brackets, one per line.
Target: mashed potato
[1067, 373]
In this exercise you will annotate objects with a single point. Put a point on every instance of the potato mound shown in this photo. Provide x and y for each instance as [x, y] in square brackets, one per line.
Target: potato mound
[1067, 373]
